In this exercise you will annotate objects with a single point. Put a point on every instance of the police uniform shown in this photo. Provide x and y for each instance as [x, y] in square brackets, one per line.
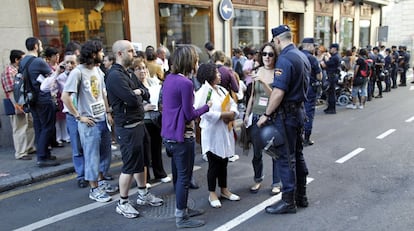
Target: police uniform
[311, 95]
[291, 72]
[394, 66]
[332, 70]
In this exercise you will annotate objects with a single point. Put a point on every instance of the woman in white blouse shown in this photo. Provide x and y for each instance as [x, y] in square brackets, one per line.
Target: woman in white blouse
[217, 139]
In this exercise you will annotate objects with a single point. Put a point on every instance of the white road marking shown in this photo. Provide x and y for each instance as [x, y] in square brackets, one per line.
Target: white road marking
[251, 212]
[410, 120]
[83, 209]
[385, 134]
[349, 155]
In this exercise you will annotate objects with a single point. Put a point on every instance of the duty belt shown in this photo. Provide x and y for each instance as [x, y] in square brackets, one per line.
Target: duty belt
[292, 107]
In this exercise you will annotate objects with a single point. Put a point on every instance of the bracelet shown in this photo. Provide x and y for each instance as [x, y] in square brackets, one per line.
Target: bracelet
[267, 115]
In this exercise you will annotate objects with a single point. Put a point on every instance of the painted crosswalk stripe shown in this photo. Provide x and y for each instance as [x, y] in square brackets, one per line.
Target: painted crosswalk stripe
[349, 155]
[410, 120]
[385, 134]
[251, 212]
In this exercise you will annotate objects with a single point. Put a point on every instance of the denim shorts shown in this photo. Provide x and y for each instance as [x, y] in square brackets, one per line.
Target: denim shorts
[362, 89]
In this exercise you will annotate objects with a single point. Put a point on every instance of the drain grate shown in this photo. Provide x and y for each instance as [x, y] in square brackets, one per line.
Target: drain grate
[167, 210]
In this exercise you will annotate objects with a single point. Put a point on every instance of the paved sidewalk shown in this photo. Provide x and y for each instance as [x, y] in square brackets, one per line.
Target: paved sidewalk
[15, 173]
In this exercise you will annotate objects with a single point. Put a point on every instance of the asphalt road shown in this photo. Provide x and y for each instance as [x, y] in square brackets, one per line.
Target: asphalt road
[361, 169]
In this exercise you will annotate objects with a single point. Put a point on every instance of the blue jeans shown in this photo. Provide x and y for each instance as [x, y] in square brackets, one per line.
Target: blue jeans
[292, 168]
[77, 152]
[257, 160]
[96, 143]
[182, 164]
[44, 117]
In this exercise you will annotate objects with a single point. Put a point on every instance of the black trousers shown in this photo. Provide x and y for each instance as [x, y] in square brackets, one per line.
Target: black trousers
[217, 171]
[155, 151]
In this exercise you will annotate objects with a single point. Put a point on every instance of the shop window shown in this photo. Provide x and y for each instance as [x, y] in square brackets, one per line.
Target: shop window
[323, 35]
[249, 28]
[61, 21]
[346, 33]
[185, 24]
[364, 32]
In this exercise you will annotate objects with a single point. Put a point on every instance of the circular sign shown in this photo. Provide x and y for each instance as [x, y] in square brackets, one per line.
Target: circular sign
[226, 9]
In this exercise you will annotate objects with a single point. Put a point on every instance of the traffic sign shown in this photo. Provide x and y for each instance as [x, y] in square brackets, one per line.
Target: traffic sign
[226, 9]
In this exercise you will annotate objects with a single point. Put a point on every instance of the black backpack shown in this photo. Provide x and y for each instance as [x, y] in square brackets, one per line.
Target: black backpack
[22, 88]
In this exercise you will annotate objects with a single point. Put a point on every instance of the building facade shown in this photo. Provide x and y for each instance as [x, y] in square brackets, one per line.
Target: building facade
[174, 22]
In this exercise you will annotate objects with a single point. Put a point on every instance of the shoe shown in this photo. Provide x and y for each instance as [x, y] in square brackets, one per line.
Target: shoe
[412, 82]
[148, 185]
[361, 106]
[386, 90]
[330, 111]
[99, 195]
[402, 85]
[194, 212]
[166, 179]
[255, 188]
[185, 222]
[275, 190]
[214, 203]
[308, 142]
[233, 158]
[82, 183]
[149, 199]
[285, 205]
[26, 157]
[232, 197]
[108, 177]
[394, 87]
[113, 147]
[193, 185]
[205, 157]
[59, 144]
[47, 163]
[126, 210]
[107, 187]
[351, 106]
[52, 157]
[378, 96]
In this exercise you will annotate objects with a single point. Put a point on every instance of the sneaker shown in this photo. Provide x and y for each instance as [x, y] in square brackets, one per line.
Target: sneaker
[107, 187]
[127, 210]
[82, 183]
[99, 195]
[233, 158]
[351, 106]
[148, 185]
[149, 199]
[361, 106]
[113, 147]
[166, 179]
[188, 223]
[194, 212]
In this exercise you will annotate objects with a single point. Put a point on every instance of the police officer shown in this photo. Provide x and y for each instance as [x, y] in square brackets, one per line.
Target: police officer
[285, 112]
[402, 64]
[332, 65]
[387, 69]
[394, 66]
[379, 67]
[314, 82]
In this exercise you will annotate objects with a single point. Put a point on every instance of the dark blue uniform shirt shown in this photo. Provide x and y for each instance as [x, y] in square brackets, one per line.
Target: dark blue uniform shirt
[291, 73]
[315, 67]
[333, 64]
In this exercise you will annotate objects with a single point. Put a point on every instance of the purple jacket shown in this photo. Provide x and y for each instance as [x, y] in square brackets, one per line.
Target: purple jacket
[177, 106]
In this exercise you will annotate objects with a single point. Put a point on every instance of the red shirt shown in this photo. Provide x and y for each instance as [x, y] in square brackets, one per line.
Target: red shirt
[7, 79]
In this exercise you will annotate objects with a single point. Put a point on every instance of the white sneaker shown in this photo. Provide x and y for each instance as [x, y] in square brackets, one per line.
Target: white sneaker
[113, 147]
[351, 106]
[234, 158]
[361, 106]
[107, 187]
[99, 195]
[148, 185]
[149, 199]
[166, 179]
[127, 210]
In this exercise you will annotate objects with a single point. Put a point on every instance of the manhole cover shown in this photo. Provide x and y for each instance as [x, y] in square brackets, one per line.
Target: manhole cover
[167, 210]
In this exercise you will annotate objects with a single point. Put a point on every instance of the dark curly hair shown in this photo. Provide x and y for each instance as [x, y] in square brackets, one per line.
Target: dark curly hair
[88, 49]
[207, 72]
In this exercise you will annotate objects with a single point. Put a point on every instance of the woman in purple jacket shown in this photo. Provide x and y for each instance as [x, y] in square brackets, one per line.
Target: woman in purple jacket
[178, 129]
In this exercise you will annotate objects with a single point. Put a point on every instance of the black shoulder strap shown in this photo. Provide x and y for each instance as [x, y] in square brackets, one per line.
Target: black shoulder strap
[26, 80]
[28, 63]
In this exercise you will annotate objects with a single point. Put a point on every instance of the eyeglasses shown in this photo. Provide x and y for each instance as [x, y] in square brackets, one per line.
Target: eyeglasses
[270, 54]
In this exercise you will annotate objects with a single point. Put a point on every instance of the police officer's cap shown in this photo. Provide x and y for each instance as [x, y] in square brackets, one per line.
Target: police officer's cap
[388, 50]
[334, 45]
[308, 40]
[375, 48]
[280, 30]
[393, 46]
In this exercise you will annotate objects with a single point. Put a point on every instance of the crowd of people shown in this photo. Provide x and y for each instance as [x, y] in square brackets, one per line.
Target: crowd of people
[144, 100]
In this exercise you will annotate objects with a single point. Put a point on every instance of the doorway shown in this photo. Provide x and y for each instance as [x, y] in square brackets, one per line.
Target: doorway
[293, 21]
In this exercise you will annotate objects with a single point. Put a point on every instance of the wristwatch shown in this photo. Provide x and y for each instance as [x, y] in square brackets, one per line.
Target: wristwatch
[78, 117]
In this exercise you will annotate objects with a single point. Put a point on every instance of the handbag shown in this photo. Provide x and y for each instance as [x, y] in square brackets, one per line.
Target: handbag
[8, 107]
[155, 117]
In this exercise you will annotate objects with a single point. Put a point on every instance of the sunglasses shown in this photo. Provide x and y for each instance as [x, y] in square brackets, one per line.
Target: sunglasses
[270, 54]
